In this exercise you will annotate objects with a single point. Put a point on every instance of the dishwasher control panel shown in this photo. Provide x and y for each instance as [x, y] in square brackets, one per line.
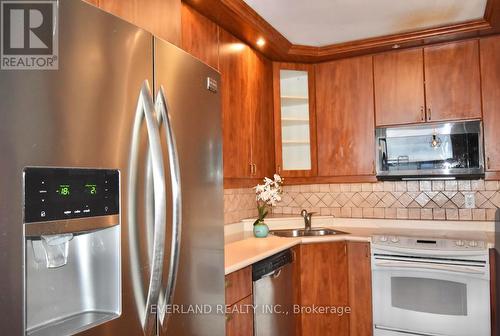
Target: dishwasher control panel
[271, 264]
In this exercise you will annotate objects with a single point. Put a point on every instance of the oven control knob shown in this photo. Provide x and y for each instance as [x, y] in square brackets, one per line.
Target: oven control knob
[383, 239]
[460, 243]
[473, 243]
[394, 239]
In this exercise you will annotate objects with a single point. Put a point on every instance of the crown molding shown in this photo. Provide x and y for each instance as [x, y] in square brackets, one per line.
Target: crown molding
[242, 21]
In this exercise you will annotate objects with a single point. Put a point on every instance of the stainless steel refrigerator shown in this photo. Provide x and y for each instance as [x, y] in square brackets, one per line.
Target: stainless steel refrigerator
[111, 195]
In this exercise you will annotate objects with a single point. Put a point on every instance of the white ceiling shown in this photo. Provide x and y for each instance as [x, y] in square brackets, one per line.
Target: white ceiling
[323, 22]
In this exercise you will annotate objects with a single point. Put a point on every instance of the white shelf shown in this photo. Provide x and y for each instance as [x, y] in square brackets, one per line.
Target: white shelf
[295, 129]
[295, 120]
[295, 142]
[293, 100]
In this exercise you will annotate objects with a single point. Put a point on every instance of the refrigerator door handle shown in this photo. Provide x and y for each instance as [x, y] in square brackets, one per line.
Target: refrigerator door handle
[166, 298]
[146, 110]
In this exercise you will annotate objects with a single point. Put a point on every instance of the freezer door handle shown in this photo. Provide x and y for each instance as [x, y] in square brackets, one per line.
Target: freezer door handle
[146, 111]
[166, 298]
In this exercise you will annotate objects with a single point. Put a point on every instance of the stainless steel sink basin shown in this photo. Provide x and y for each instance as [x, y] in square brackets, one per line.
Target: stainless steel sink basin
[314, 232]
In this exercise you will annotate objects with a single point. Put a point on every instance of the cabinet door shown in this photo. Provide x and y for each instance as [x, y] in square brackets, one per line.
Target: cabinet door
[345, 117]
[239, 320]
[236, 114]
[200, 36]
[360, 289]
[238, 285]
[295, 119]
[160, 17]
[260, 102]
[452, 81]
[399, 87]
[490, 74]
[323, 283]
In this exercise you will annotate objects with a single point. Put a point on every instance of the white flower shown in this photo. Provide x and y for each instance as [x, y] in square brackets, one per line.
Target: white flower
[270, 191]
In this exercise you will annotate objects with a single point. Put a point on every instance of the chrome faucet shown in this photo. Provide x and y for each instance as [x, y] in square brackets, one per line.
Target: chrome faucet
[307, 219]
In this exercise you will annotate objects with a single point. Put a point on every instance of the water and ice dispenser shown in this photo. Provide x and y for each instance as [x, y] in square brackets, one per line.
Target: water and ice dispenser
[72, 248]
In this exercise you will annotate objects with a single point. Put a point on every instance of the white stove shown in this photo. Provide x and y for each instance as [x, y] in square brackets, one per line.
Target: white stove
[430, 287]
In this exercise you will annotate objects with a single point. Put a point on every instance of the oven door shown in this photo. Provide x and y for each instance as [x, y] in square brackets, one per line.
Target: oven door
[429, 297]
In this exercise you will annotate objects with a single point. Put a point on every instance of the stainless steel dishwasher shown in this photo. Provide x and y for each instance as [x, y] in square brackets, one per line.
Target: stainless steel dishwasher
[273, 295]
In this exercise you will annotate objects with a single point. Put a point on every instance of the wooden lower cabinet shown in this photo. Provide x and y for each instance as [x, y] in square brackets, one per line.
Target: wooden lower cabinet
[239, 319]
[360, 289]
[239, 300]
[238, 285]
[334, 275]
[323, 284]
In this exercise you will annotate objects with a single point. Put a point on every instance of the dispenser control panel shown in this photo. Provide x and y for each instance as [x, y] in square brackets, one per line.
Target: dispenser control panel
[67, 193]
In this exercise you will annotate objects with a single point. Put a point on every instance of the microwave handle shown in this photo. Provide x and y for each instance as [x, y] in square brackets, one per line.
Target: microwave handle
[383, 153]
[431, 267]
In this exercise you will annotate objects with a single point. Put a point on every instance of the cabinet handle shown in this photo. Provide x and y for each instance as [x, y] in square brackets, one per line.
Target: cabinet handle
[229, 317]
[279, 169]
[251, 169]
[254, 169]
[488, 165]
[422, 113]
[429, 113]
[373, 167]
[367, 251]
[227, 283]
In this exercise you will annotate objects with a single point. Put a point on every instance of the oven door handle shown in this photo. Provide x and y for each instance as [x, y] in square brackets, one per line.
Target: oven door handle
[432, 267]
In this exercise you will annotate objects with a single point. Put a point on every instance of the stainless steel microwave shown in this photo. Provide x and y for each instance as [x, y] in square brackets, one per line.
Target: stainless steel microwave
[445, 150]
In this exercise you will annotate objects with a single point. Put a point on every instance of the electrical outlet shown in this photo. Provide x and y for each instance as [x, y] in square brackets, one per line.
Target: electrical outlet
[470, 201]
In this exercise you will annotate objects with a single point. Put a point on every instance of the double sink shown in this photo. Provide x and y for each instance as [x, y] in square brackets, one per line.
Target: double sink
[307, 231]
[316, 232]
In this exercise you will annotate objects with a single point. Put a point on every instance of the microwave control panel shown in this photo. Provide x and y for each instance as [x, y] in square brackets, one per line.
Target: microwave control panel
[68, 193]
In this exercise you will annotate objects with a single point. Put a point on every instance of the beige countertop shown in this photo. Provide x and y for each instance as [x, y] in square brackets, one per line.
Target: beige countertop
[242, 249]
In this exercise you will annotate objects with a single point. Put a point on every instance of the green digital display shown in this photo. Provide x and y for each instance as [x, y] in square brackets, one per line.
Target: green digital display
[91, 189]
[64, 190]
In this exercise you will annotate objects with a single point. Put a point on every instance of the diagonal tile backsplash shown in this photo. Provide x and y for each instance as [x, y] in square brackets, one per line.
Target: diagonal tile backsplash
[426, 200]
[438, 200]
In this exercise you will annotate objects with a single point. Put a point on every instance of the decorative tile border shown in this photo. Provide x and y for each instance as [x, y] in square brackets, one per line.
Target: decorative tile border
[428, 200]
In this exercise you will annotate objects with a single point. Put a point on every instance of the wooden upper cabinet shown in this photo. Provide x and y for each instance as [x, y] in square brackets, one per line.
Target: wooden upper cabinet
[323, 283]
[490, 73]
[295, 119]
[452, 81]
[160, 17]
[236, 114]
[247, 110]
[261, 106]
[345, 117]
[200, 36]
[399, 87]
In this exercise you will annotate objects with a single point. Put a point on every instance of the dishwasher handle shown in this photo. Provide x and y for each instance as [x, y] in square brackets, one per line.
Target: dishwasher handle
[274, 274]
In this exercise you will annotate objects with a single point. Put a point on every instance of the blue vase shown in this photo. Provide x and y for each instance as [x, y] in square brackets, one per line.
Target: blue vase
[260, 230]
